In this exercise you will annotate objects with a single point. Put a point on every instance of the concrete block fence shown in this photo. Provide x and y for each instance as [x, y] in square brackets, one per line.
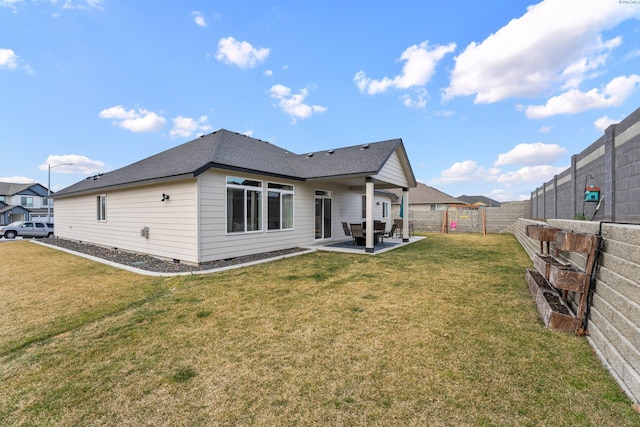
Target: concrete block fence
[614, 324]
[611, 163]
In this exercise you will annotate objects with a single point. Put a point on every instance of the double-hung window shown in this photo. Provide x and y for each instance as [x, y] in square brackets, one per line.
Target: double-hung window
[244, 205]
[279, 206]
[101, 207]
[26, 201]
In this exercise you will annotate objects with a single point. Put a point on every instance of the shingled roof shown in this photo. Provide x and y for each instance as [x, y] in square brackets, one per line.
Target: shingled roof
[429, 195]
[233, 151]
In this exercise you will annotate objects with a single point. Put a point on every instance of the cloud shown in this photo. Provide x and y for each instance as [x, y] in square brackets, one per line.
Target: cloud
[141, 120]
[8, 59]
[186, 126]
[465, 171]
[531, 154]
[538, 51]
[604, 122]
[198, 19]
[18, 180]
[575, 101]
[242, 54]
[545, 129]
[420, 64]
[293, 104]
[78, 164]
[418, 101]
[530, 175]
[268, 73]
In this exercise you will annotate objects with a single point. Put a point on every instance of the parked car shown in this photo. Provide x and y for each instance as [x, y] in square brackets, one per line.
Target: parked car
[27, 229]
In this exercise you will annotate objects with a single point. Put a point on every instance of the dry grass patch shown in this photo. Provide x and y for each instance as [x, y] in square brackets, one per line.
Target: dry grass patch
[441, 332]
[44, 292]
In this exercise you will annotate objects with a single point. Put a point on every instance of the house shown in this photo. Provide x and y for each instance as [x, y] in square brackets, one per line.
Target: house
[425, 198]
[480, 201]
[22, 202]
[225, 195]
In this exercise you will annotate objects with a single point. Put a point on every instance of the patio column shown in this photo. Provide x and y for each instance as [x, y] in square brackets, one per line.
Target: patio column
[405, 210]
[369, 246]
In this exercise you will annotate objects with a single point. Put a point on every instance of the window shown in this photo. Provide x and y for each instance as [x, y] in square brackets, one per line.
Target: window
[47, 201]
[244, 205]
[385, 209]
[101, 207]
[364, 206]
[3, 199]
[279, 206]
[27, 202]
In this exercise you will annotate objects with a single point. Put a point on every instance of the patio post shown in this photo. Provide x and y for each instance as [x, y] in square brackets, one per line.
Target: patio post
[369, 196]
[405, 209]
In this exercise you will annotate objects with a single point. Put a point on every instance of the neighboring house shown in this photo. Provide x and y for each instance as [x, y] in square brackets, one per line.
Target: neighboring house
[424, 198]
[480, 201]
[225, 195]
[22, 202]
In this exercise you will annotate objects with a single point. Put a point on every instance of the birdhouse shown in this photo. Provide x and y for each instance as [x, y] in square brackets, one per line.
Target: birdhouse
[592, 194]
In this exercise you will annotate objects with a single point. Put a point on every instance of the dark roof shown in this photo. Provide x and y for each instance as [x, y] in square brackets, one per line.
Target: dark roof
[428, 195]
[480, 200]
[234, 151]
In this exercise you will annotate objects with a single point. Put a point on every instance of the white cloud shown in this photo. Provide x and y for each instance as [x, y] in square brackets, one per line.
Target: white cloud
[8, 59]
[18, 179]
[198, 19]
[420, 64]
[465, 171]
[604, 122]
[538, 51]
[141, 120]
[293, 104]
[268, 73]
[575, 101]
[242, 54]
[418, 101]
[544, 129]
[531, 154]
[78, 164]
[248, 133]
[530, 175]
[186, 126]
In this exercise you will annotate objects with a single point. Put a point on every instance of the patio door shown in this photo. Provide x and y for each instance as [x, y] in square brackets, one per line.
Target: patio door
[323, 224]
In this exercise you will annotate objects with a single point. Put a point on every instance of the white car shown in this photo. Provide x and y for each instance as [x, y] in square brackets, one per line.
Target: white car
[27, 229]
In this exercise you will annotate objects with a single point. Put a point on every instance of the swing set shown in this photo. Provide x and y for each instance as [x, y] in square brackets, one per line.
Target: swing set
[475, 218]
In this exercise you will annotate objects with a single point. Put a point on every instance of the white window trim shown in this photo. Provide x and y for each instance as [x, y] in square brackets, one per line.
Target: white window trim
[101, 208]
[259, 189]
[293, 213]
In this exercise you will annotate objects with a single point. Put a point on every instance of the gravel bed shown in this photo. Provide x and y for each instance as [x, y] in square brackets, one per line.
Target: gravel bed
[158, 265]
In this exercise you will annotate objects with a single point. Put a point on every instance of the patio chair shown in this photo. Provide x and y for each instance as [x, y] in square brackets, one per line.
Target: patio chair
[391, 231]
[345, 227]
[357, 233]
[379, 227]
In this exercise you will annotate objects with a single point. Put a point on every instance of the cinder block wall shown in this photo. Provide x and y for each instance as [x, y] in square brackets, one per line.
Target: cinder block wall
[614, 325]
[497, 220]
[610, 163]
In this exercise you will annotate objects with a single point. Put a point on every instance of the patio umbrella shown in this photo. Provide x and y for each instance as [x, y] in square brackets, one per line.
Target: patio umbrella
[402, 208]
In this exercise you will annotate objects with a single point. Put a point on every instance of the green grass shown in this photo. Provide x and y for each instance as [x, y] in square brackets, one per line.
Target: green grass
[440, 332]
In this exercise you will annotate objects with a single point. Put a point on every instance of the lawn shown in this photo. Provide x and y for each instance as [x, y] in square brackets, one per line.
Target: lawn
[440, 332]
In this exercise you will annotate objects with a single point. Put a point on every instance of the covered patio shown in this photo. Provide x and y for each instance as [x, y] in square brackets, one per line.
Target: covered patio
[348, 245]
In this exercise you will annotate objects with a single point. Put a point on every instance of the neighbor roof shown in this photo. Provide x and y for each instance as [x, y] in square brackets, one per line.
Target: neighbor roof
[11, 188]
[234, 151]
[480, 200]
[429, 195]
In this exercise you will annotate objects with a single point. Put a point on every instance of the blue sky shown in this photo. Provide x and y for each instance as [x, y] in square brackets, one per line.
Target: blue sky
[490, 98]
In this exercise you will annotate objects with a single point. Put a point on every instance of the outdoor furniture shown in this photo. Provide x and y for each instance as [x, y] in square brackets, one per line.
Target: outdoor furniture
[345, 227]
[391, 231]
[379, 227]
[358, 234]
